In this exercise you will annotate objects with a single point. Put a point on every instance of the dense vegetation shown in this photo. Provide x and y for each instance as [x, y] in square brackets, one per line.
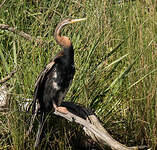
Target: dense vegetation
[116, 64]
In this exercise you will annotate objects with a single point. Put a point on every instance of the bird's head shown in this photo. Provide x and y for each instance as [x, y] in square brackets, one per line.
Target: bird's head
[64, 41]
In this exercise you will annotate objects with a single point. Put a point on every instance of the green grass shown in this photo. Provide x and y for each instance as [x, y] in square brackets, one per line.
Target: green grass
[116, 67]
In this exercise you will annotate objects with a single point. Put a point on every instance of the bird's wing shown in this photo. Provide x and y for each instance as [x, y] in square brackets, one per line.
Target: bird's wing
[43, 73]
[41, 78]
[40, 129]
[39, 82]
[47, 69]
[34, 105]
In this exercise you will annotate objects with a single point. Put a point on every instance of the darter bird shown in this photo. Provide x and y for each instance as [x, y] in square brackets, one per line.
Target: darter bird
[54, 81]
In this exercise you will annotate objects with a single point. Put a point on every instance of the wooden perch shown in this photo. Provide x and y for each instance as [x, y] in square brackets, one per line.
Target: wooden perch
[92, 126]
[21, 33]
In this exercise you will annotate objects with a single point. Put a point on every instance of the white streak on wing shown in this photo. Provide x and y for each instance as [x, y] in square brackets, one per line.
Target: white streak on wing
[55, 85]
[49, 66]
[55, 75]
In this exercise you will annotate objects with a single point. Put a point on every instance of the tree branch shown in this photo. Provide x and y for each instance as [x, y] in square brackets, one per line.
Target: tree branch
[90, 123]
[21, 33]
[5, 79]
[92, 126]
[2, 3]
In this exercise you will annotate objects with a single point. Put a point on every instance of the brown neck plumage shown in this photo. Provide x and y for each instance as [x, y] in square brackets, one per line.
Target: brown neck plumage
[63, 41]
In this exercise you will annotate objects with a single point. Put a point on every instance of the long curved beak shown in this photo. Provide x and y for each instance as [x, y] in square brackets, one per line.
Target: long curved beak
[77, 20]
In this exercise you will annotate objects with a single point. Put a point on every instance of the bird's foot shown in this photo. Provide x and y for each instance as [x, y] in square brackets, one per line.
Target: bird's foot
[62, 109]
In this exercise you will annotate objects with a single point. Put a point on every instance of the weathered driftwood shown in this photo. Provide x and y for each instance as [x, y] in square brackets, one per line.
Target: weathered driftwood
[4, 92]
[92, 126]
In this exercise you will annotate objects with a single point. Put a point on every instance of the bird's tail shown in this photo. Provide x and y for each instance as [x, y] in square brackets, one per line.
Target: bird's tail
[32, 121]
[33, 105]
[40, 128]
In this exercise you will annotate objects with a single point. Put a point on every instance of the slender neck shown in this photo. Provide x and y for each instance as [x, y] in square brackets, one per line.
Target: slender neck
[63, 41]
[58, 30]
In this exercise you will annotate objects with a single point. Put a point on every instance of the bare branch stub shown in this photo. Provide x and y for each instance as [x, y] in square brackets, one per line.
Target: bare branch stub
[4, 97]
[21, 33]
[5, 79]
[2, 3]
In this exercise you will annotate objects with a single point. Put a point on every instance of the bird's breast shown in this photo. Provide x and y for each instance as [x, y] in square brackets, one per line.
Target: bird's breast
[56, 86]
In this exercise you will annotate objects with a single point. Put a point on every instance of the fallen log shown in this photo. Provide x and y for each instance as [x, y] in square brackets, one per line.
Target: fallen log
[89, 121]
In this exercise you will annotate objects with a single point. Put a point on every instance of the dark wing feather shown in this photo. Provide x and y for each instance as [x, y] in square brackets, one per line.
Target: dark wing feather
[39, 82]
[43, 73]
[41, 77]
[47, 68]
[34, 104]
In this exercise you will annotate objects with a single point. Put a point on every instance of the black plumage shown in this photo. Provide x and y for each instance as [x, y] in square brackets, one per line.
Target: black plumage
[55, 80]
[52, 85]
